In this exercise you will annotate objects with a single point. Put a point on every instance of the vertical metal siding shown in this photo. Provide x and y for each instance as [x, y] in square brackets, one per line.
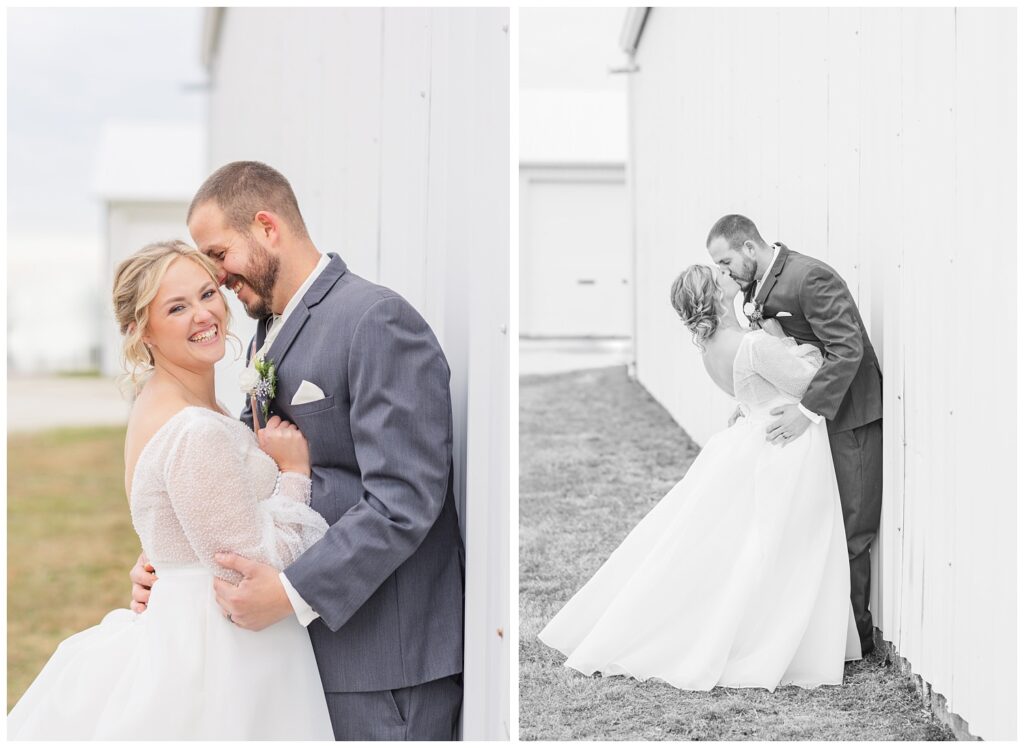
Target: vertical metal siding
[883, 142]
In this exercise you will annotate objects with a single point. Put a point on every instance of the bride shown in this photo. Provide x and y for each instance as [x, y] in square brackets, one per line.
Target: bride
[198, 483]
[739, 575]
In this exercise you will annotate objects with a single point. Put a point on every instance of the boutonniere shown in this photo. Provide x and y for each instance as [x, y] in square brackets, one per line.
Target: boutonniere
[259, 382]
[754, 312]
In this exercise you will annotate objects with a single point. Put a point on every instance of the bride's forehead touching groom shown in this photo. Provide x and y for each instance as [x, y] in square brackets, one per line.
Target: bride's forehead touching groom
[361, 373]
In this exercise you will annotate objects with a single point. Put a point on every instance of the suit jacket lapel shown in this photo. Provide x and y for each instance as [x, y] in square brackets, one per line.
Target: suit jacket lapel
[279, 348]
[773, 274]
[286, 337]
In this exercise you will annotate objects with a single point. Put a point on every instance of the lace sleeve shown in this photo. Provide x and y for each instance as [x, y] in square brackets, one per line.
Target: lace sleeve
[209, 483]
[788, 367]
[292, 524]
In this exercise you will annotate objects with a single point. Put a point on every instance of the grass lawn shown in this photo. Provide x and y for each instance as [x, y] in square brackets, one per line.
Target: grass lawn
[596, 453]
[70, 542]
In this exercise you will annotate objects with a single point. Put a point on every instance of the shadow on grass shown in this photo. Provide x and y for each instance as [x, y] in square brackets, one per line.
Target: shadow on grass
[596, 454]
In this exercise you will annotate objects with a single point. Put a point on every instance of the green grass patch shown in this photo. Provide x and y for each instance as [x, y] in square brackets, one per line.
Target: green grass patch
[70, 542]
[596, 454]
[80, 374]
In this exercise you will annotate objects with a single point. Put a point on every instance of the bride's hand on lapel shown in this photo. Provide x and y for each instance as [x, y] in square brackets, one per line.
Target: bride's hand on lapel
[286, 445]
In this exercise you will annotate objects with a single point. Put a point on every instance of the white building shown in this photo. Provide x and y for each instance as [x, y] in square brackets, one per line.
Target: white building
[575, 264]
[881, 141]
[392, 126]
[146, 175]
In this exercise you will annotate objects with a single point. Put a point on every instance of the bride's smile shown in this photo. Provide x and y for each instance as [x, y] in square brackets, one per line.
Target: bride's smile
[187, 318]
[206, 336]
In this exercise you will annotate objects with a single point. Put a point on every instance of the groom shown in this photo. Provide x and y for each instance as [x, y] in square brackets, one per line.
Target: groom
[813, 305]
[361, 374]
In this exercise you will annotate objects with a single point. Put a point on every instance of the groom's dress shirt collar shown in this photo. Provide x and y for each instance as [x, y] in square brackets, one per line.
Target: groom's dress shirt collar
[279, 319]
[276, 322]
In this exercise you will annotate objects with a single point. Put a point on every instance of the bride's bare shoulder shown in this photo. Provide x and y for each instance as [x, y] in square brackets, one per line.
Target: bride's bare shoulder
[725, 343]
[154, 407]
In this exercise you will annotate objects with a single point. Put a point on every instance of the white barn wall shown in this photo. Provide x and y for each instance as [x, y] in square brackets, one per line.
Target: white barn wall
[392, 126]
[883, 142]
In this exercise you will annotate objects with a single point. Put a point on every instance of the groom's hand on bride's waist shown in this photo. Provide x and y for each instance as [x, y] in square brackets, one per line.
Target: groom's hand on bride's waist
[789, 426]
[256, 602]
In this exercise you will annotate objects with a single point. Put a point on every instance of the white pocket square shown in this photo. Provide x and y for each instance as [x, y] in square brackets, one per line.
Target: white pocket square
[307, 393]
[783, 314]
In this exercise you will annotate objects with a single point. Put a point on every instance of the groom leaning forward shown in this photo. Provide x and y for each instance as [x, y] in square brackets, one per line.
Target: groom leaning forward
[361, 374]
[813, 305]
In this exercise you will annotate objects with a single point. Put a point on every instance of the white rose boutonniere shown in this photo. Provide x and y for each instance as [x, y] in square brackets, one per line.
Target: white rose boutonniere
[259, 382]
[754, 312]
[248, 380]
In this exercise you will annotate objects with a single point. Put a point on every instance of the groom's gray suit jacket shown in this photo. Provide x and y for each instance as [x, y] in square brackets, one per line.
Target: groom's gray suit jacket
[387, 578]
[847, 390]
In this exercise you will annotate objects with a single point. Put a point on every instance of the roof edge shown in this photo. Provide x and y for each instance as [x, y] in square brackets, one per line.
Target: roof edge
[212, 21]
[633, 29]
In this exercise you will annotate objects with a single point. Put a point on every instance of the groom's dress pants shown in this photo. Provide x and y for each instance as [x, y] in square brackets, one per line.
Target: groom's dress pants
[429, 711]
[857, 456]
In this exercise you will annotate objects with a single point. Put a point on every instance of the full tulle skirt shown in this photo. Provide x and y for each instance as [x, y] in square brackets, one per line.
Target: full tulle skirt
[178, 671]
[738, 577]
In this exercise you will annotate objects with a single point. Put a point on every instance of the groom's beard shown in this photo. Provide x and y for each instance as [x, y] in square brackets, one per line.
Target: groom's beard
[261, 277]
[747, 275]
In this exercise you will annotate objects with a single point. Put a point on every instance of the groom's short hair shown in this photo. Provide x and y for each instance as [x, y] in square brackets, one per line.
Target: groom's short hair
[242, 189]
[736, 229]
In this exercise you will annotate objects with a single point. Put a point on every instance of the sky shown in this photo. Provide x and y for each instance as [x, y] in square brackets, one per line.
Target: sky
[69, 70]
[570, 48]
[572, 108]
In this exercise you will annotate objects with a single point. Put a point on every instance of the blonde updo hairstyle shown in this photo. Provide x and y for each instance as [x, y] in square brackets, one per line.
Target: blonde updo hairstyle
[136, 283]
[698, 299]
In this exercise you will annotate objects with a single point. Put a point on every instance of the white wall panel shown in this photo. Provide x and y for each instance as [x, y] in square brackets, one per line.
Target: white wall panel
[880, 227]
[982, 360]
[392, 126]
[881, 141]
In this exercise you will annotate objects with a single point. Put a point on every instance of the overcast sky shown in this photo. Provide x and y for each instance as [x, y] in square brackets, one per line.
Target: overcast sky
[570, 48]
[68, 70]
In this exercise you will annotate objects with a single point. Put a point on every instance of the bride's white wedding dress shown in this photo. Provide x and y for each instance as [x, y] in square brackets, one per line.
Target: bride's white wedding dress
[739, 575]
[181, 670]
